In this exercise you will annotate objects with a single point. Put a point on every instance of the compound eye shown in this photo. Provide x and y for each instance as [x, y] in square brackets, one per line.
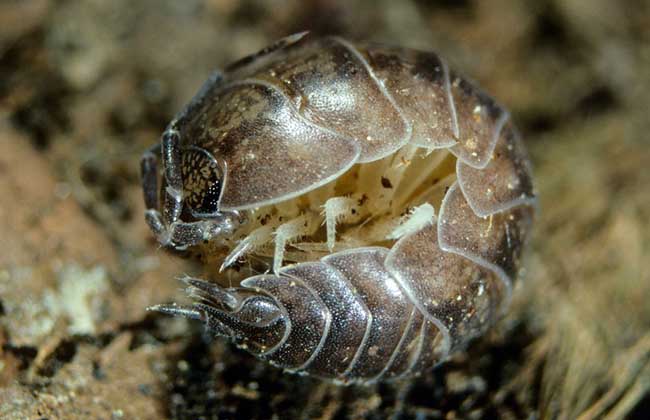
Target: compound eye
[202, 181]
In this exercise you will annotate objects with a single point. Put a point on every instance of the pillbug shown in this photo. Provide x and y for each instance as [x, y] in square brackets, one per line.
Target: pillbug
[366, 206]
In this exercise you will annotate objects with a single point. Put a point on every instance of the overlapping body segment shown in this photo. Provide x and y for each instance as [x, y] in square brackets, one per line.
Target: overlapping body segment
[371, 204]
[345, 318]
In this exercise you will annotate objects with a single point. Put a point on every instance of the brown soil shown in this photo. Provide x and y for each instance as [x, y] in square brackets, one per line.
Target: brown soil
[86, 87]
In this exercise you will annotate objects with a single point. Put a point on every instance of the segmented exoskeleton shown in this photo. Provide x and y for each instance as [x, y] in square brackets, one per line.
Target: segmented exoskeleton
[308, 177]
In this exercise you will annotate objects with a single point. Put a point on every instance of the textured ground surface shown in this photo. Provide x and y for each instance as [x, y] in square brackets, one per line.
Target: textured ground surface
[86, 86]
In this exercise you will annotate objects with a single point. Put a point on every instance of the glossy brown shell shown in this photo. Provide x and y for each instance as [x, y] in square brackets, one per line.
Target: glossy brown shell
[301, 113]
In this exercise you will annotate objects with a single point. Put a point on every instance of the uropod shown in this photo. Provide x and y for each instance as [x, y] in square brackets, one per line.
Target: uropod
[361, 208]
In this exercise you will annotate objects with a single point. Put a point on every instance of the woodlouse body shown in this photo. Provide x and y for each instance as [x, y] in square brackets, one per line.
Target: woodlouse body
[309, 173]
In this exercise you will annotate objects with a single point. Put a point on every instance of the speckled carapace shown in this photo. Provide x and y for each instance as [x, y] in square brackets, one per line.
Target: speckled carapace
[363, 208]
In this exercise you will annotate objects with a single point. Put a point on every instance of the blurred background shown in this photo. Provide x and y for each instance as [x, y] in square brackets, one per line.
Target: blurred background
[86, 86]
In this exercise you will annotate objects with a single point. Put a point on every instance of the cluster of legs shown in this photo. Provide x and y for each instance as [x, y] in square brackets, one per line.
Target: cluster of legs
[373, 204]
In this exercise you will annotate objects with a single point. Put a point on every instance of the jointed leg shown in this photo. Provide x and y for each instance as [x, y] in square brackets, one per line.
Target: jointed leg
[162, 224]
[255, 239]
[339, 209]
[184, 234]
[149, 174]
[171, 155]
[303, 225]
[180, 234]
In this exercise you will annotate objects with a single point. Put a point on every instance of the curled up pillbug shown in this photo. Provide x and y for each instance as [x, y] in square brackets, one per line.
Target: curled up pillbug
[361, 209]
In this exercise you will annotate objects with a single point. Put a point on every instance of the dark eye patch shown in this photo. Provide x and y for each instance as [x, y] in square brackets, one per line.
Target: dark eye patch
[202, 181]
